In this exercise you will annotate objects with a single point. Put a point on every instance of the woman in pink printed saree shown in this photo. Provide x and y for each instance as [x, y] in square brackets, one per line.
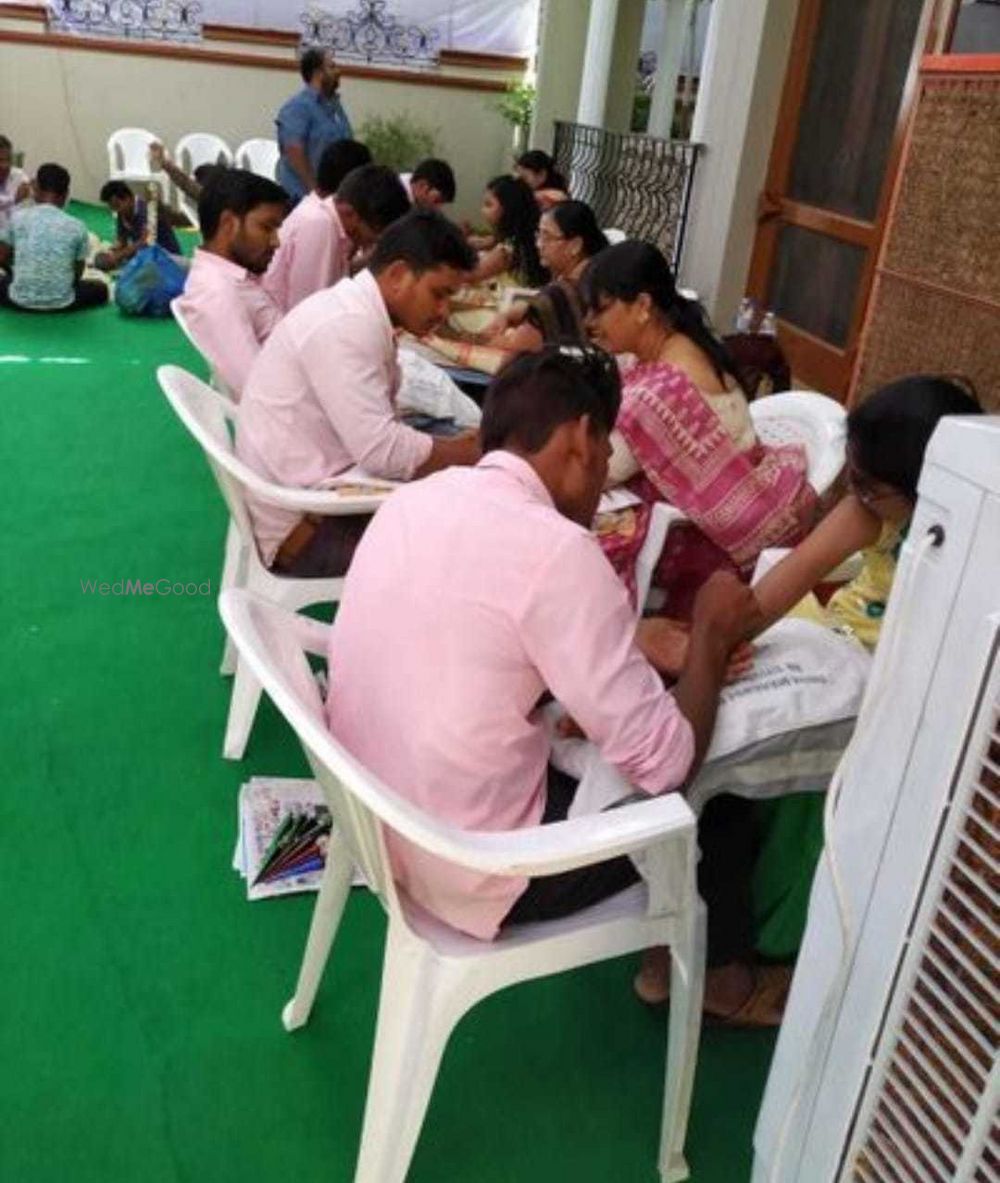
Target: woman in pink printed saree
[684, 434]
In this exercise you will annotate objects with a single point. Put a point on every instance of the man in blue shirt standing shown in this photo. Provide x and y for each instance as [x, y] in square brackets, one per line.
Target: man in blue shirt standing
[309, 121]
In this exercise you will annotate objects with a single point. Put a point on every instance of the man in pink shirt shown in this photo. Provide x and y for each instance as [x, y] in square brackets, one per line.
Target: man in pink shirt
[479, 590]
[432, 183]
[321, 398]
[350, 207]
[224, 305]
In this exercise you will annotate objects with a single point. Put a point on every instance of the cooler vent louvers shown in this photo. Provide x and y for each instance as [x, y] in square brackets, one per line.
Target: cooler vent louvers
[932, 1113]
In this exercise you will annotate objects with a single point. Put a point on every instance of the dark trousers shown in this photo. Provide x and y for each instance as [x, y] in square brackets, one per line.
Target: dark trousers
[554, 896]
[728, 841]
[88, 293]
[329, 552]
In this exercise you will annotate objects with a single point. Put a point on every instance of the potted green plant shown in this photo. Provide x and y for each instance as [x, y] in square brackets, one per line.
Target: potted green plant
[398, 141]
[517, 105]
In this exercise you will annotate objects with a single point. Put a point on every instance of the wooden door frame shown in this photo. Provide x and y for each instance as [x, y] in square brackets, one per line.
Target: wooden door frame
[813, 360]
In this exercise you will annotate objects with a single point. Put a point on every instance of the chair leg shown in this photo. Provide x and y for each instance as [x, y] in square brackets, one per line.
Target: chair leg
[227, 667]
[419, 1005]
[333, 893]
[242, 709]
[230, 578]
[687, 988]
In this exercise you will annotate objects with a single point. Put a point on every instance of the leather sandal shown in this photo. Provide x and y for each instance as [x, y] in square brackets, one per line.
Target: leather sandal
[765, 1004]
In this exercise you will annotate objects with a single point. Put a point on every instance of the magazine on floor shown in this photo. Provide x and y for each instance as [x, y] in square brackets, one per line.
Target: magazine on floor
[283, 835]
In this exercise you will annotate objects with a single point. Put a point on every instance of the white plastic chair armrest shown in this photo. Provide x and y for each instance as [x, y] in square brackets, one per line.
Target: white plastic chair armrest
[561, 846]
[662, 517]
[539, 850]
[321, 501]
[312, 635]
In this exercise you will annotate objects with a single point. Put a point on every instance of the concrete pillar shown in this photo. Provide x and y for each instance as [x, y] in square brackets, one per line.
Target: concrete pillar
[597, 62]
[742, 75]
[624, 65]
[669, 52]
[561, 44]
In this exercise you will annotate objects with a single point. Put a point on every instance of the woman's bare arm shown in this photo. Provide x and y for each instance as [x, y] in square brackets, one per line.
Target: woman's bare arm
[494, 262]
[846, 529]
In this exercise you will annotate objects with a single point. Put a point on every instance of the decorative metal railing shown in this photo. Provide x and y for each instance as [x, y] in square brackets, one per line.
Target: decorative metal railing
[370, 33]
[633, 182]
[150, 20]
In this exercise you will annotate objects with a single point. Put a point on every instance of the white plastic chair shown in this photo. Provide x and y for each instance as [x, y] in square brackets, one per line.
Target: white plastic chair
[207, 415]
[192, 151]
[259, 156]
[128, 157]
[234, 558]
[432, 974]
[792, 417]
[216, 379]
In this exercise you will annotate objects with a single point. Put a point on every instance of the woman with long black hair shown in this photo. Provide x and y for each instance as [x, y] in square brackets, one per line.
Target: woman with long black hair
[510, 209]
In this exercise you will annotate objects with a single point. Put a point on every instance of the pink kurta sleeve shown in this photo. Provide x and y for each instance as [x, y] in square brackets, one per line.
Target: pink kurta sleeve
[583, 646]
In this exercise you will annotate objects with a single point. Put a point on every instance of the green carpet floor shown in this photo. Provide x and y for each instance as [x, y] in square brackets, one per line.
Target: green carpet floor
[140, 992]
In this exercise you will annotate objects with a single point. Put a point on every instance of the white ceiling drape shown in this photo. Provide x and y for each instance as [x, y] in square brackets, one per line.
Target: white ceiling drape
[484, 26]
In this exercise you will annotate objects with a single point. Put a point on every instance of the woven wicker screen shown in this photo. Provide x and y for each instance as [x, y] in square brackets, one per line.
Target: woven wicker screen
[935, 304]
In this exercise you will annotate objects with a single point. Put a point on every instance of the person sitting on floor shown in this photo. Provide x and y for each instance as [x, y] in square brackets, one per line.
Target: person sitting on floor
[476, 592]
[432, 183]
[344, 215]
[191, 186]
[131, 215]
[224, 305]
[48, 250]
[321, 397]
[15, 186]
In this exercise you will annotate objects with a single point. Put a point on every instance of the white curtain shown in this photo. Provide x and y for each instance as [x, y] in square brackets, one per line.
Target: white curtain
[485, 26]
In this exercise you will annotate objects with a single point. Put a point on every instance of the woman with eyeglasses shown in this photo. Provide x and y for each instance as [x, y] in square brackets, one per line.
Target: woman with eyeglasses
[684, 434]
[568, 238]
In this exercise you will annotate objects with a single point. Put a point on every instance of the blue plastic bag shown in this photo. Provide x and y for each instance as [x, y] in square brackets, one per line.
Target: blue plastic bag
[148, 282]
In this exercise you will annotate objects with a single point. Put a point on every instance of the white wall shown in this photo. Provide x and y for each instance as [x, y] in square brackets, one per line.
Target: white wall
[61, 104]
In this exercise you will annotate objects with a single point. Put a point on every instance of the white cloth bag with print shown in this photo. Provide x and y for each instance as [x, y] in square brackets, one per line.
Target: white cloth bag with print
[781, 729]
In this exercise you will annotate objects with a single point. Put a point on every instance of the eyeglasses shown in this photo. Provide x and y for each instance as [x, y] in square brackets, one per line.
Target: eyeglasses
[868, 491]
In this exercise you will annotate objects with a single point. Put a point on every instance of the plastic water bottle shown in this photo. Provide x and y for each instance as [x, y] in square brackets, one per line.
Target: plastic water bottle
[745, 316]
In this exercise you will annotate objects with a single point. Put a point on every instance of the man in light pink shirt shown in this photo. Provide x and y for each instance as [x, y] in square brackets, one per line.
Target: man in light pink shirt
[345, 213]
[223, 304]
[477, 591]
[321, 396]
